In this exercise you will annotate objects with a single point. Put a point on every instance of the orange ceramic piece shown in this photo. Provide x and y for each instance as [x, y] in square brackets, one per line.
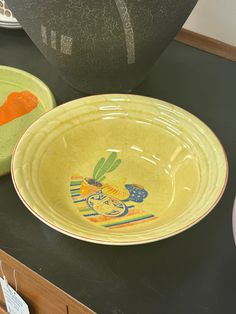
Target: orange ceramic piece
[17, 105]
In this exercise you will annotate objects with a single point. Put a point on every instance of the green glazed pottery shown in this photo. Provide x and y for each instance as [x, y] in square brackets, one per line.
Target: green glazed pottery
[17, 89]
[119, 169]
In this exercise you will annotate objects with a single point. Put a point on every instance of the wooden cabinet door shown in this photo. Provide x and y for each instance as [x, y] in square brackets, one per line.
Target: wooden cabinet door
[41, 296]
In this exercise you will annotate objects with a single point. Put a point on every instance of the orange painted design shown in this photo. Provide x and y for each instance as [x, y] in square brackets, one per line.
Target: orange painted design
[17, 105]
[132, 223]
[77, 178]
[107, 218]
[100, 219]
[87, 189]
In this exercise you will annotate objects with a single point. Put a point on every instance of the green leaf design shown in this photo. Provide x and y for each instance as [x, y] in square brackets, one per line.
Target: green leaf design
[115, 165]
[105, 166]
[103, 178]
[98, 166]
[108, 163]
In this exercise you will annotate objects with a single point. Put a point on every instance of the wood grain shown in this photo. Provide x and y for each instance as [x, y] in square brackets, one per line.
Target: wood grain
[41, 296]
[3, 309]
[207, 44]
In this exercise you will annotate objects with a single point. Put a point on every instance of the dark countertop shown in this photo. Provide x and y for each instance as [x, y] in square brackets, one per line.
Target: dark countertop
[193, 272]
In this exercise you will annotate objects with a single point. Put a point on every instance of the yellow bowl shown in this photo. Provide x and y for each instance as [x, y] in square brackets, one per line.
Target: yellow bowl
[119, 169]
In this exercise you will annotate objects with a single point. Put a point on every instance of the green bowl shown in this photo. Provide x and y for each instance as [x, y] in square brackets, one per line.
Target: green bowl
[15, 80]
[119, 169]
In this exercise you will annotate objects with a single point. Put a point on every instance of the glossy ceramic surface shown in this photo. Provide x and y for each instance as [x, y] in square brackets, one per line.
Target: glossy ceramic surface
[17, 81]
[119, 169]
[102, 46]
[234, 221]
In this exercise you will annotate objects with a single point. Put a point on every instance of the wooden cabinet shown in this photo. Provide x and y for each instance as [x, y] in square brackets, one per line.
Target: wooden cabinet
[41, 296]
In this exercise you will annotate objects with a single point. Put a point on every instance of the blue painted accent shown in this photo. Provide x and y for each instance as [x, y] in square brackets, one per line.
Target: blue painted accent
[137, 194]
[88, 215]
[125, 212]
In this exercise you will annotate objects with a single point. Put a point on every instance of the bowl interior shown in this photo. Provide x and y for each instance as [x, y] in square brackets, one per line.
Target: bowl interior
[119, 169]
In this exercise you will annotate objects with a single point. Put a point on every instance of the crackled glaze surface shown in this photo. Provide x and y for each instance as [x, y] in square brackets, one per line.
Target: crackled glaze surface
[105, 161]
[16, 82]
[102, 46]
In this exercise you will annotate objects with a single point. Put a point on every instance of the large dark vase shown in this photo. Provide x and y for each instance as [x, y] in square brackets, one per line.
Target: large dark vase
[102, 46]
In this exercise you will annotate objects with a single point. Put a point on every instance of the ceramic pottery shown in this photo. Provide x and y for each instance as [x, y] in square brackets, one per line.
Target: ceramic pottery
[119, 169]
[102, 45]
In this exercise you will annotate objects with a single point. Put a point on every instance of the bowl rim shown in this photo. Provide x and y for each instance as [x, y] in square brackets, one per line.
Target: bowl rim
[125, 243]
[37, 81]
[50, 105]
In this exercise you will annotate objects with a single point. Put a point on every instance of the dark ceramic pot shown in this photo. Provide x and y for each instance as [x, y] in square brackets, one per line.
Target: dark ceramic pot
[102, 46]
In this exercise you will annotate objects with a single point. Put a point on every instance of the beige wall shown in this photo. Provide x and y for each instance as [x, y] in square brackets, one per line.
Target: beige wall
[214, 18]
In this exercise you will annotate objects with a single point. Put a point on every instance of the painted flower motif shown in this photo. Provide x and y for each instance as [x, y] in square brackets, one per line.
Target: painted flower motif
[137, 193]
